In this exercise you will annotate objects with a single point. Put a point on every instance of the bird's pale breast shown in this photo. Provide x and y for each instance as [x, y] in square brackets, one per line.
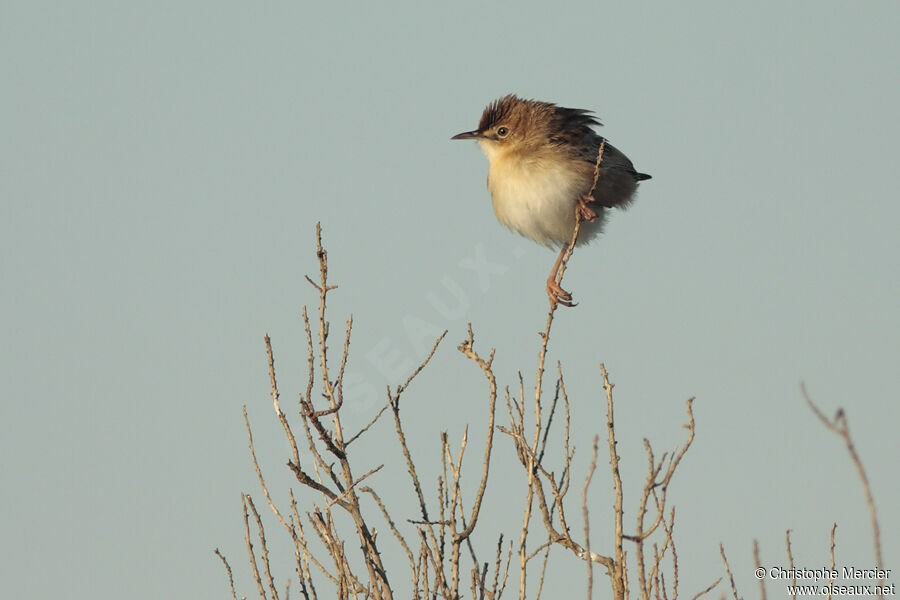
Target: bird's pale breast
[536, 197]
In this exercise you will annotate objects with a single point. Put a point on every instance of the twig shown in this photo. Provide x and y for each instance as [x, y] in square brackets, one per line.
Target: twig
[562, 537]
[831, 579]
[307, 407]
[256, 576]
[619, 565]
[400, 389]
[840, 426]
[758, 564]
[543, 573]
[259, 475]
[391, 524]
[467, 348]
[707, 590]
[351, 486]
[670, 540]
[728, 570]
[278, 411]
[545, 335]
[787, 543]
[303, 555]
[578, 219]
[227, 570]
[584, 510]
[264, 547]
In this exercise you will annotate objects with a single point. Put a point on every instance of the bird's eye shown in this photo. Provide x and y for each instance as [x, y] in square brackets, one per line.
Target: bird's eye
[502, 131]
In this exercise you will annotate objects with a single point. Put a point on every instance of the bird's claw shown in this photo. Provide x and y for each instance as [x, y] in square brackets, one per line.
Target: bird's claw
[583, 212]
[558, 295]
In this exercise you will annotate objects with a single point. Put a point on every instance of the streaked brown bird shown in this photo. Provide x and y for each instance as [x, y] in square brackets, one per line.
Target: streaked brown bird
[542, 162]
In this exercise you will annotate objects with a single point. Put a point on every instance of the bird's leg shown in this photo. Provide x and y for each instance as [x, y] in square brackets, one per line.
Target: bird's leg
[556, 294]
[583, 211]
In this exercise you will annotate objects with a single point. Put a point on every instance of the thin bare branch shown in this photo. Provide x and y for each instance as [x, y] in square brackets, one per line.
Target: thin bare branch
[303, 555]
[619, 564]
[259, 475]
[350, 488]
[394, 403]
[707, 590]
[256, 576]
[840, 426]
[728, 571]
[400, 389]
[758, 564]
[278, 411]
[264, 547]
[831, 553]
[392, 525]
[787, 542]
[467, 348]
[578, 220]
[584, 510]
[227, 570]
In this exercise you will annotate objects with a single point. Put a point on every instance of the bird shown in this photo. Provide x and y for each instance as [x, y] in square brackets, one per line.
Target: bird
[543, 159]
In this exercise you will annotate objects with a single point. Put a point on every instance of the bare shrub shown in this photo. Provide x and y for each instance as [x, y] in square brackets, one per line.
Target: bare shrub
[335, 541]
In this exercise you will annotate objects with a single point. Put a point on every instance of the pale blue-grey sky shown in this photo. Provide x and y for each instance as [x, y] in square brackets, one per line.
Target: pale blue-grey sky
[163, 164]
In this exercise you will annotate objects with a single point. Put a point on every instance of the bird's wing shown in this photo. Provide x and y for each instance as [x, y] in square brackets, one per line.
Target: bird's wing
[613, 159]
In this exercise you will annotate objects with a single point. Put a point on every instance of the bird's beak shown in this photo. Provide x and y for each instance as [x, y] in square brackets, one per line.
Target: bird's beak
[467, 135]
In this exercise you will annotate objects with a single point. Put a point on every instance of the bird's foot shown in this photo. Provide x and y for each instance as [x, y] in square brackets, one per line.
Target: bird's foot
[583, 212]
[558, 295]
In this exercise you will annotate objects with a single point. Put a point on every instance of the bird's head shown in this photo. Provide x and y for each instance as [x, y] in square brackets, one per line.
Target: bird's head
[511, 125]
